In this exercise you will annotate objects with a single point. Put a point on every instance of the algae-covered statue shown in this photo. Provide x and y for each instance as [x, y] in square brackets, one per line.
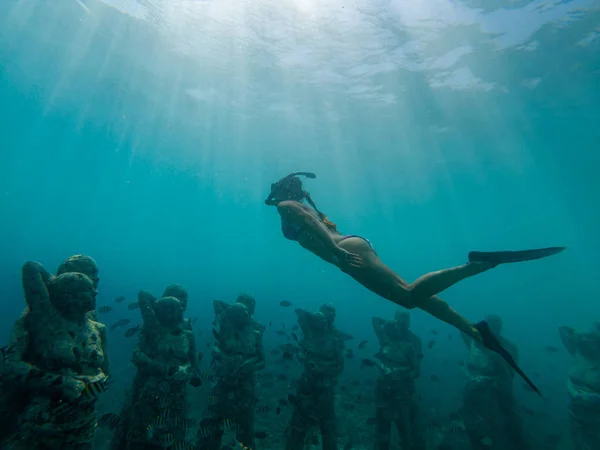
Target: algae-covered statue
[584, 385]
[321, 352]
[236, 357]
[399, 359]
[56, 364]
[155, 413]
[489, 406]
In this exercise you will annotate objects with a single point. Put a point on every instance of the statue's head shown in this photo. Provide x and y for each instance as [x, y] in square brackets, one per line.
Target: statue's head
[73, 294]
[179, 292]
[169, 312]
[248, 301]
[81, 264]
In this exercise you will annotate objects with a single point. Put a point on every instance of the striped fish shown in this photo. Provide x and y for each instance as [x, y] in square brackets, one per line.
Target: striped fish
[93, 390]
[205, 431]
[167, 440]
[164, 402]
[109, 420]
[150, 431]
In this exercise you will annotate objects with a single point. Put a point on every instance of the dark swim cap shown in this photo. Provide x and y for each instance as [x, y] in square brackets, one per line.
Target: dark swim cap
[288, 188]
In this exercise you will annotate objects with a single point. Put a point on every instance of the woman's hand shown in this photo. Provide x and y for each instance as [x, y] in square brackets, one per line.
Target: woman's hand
[344, 258]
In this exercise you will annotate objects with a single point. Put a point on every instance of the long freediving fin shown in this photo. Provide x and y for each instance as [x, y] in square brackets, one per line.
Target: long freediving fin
[493, 343]
[506, 257]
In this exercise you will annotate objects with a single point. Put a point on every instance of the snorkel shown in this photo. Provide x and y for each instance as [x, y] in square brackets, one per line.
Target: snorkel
[290, 188]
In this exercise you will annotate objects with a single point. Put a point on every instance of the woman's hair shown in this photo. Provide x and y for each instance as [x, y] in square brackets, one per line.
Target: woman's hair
[328, 223]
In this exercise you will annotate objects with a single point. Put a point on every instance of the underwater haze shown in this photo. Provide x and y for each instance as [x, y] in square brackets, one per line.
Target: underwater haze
[147, 133]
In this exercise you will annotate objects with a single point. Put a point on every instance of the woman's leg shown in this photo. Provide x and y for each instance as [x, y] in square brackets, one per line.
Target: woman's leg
[380, 279]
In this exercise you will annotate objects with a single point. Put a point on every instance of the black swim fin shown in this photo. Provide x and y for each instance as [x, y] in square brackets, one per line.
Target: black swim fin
[514, 256]
[493, 343]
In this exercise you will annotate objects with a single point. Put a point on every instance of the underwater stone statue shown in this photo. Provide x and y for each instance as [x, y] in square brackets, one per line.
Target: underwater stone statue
[237, 355]
[155, 412]
[56, 365]
[584, 385]
[400, 354]
[489, 408]
[85, 265]
[321, 352]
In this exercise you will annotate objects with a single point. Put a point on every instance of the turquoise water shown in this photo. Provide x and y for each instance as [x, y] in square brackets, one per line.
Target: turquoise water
[147, 133]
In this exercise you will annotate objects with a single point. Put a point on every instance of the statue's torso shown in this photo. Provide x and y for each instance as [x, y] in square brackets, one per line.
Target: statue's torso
[66, 347]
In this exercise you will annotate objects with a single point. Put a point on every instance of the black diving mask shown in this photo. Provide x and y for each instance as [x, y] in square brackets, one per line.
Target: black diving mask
[286, 189]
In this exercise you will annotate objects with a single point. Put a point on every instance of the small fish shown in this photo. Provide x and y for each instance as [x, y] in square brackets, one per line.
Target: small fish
[93, 390]
[285, 303]
[167, 440]
[204, 431]
[263, 409]
[120, 299]
[119, 323]
[205, 376]
[450, 337]
[457, 428]
[362, 344]
[231, 425]
[295, 328]
[435, 332]
[551, 349]
[212, 400]
[434, 378]
[363, 399]
[132, 331]
[278, 410]
[184, 423]
[431, 344]
[366, 363]
[280, 332]
[261, 435]
[6, 351]
[295, 337]
[109, 420]
[164, 402]
[244, 447]
[133, 306]
[150, 430]
[216, 335]
[104, 309]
